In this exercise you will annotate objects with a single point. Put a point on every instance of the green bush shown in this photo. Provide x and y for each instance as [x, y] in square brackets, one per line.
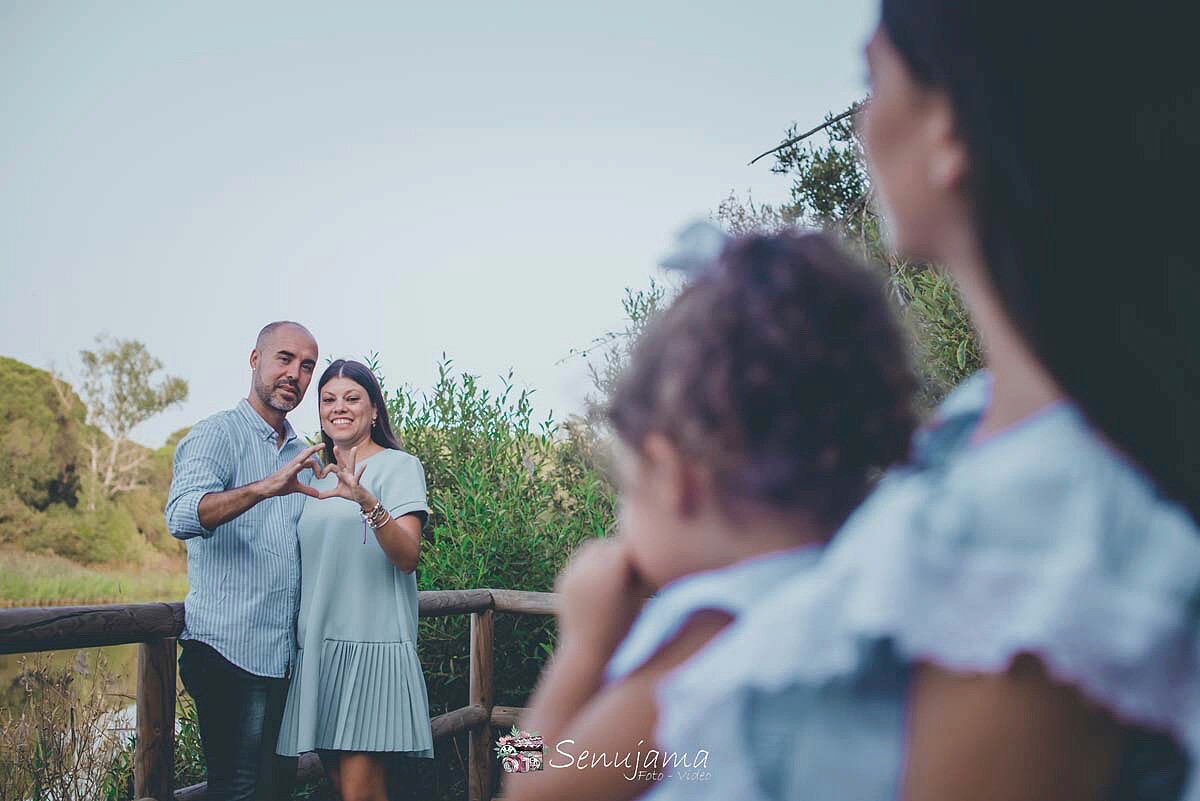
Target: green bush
[144, 508]
[40, 424]
[107, 534]
[50, 502]
[57, 735]
[16, 517]
[831, 189]
[510, 499]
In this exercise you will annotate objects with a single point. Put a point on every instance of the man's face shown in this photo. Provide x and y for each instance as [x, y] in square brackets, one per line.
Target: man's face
[283, 367]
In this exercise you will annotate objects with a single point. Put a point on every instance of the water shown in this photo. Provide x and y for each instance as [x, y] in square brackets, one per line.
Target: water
[120, 661]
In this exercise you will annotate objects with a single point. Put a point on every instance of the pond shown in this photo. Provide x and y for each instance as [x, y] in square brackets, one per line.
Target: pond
[119, 661]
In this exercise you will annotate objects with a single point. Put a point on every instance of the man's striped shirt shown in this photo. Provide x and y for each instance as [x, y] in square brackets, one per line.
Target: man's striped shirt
[244, 575]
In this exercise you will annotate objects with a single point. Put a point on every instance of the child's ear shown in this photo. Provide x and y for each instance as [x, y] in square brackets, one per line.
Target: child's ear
[681, 484]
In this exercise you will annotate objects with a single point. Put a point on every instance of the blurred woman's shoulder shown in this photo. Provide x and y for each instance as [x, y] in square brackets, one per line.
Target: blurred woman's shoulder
[1041, 539]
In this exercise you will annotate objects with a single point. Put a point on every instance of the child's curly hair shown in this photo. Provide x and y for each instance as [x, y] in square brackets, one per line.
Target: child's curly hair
[783, 371]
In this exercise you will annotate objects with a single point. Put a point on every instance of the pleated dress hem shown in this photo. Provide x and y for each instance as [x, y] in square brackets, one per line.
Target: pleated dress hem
[358, 696]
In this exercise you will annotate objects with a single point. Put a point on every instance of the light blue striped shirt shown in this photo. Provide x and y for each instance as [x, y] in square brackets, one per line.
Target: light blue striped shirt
[244, 575]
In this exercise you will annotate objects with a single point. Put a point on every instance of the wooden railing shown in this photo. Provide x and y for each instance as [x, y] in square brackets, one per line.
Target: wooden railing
[154, 627]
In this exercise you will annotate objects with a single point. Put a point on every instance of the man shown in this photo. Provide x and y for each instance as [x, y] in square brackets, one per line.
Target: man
[236, 498]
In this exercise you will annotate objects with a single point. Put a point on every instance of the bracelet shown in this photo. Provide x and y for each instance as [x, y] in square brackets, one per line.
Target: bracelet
[377, 517]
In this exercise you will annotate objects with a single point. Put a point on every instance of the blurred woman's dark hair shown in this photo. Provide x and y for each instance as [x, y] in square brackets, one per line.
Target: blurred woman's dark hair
[782, 371]
[1082, 124]
[359, 373]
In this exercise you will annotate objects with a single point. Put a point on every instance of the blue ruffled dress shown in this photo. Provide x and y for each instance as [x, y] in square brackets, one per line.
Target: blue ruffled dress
[732, 589]
[1039, 539]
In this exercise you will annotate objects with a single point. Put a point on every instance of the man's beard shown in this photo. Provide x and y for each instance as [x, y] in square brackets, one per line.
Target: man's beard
[268, 394]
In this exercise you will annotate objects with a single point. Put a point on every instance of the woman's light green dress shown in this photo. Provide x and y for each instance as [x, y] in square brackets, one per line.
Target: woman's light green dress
[357, 685]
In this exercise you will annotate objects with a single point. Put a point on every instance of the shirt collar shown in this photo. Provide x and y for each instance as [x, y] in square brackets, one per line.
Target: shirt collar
[264, 428]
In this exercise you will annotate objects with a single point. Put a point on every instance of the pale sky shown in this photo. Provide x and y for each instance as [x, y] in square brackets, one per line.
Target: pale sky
[479, 179]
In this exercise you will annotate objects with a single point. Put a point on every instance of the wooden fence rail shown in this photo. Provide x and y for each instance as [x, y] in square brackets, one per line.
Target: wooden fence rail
[154, 628]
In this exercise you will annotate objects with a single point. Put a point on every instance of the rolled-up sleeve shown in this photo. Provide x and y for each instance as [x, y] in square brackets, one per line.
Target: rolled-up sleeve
[405, 488]
[203, 464]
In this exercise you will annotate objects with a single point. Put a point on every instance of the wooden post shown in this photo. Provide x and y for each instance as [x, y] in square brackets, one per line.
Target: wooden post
[154, 757]
[479, 755]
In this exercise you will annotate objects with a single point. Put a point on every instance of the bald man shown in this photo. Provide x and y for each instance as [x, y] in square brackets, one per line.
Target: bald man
[241, 477]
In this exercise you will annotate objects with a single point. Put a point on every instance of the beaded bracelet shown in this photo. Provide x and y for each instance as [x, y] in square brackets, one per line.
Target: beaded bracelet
[376, 519]
[366, 516]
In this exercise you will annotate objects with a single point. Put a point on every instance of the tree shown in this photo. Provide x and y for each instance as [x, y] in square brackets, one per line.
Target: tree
[831, 189]
[119, 396]
[40, 426]
[608, 354]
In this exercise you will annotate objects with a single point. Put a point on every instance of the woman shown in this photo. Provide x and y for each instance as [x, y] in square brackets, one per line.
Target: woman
[1016, 613]
[357, 693]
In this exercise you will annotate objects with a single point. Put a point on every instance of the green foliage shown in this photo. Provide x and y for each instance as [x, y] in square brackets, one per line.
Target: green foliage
[17, 519]
[510, 499]
[120, 395]
[118, 388]
[189, 752]
[40, 425]
[608, 354]
[35, 579]
[830, 185]
[831, 189]
[740, 217]
[119, 530]
[950, 348]
[45, 470]
[59, 742]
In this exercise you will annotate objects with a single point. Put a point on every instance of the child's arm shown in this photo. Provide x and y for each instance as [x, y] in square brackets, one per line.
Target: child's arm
[599, 597]
[1016, 736]
[573, 677]
[613, 728]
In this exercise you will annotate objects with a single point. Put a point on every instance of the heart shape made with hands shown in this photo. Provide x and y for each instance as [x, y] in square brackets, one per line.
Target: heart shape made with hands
[347, 472]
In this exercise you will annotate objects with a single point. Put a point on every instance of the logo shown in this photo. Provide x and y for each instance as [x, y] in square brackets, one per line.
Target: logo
[519, 751]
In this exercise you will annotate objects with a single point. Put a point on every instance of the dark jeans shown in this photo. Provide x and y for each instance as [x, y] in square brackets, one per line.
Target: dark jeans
[239, 715]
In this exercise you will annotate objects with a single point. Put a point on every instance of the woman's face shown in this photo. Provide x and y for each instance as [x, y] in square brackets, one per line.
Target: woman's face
[916, 162]
[346, 411]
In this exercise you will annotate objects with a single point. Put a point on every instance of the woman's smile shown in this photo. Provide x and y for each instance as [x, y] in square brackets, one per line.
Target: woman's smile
[346, 411]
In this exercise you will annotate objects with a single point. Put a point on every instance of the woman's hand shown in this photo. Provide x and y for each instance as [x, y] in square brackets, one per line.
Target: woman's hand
[349, 484]
[600, 595]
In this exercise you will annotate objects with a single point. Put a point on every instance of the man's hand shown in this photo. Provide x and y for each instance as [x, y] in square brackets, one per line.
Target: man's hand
[217, 508]
[286, 479]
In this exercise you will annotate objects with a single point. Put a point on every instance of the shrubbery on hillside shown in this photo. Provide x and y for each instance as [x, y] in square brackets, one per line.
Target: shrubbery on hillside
[43, 479]
[40, 427]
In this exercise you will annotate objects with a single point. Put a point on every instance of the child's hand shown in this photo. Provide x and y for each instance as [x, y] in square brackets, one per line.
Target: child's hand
[600, 596]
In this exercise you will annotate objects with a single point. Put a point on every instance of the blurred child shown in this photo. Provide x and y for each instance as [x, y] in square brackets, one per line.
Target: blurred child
[753, 418]
[1013, 614]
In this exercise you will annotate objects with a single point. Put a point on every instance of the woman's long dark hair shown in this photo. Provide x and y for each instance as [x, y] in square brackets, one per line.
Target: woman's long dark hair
[359, 373]
[1082, 123]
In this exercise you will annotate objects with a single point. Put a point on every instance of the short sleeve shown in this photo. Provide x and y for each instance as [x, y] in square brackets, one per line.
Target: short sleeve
[1041, 541]
[402, 486]
[203, 464]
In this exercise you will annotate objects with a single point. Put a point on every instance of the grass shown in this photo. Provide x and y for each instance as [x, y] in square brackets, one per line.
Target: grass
[34, 579]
